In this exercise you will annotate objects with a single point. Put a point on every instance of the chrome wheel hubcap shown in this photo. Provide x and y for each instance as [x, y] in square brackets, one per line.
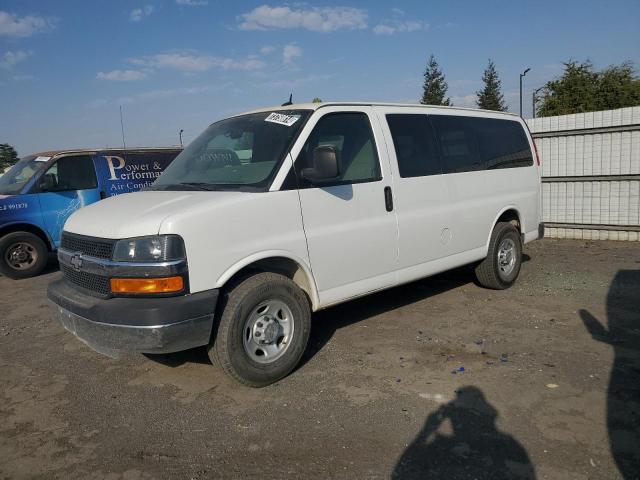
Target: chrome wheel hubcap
[21, 255]
[506, 257]
[268, 331]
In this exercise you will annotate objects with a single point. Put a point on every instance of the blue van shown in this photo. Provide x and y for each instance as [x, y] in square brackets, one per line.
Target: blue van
[38, 194]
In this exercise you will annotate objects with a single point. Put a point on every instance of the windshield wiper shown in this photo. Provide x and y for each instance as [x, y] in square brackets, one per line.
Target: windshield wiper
[197, 185]
[181, 186]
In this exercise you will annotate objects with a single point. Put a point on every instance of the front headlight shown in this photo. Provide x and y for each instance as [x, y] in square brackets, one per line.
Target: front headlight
[159, 248]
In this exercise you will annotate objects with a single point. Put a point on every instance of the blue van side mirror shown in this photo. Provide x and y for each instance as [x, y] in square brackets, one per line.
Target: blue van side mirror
[47, 182]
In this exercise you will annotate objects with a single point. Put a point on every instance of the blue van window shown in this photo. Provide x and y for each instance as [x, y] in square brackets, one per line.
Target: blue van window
[72, 173]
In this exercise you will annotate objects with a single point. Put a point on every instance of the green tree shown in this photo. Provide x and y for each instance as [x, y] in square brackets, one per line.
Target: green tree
[317, 100]
[581, 89]
[618, 87]
[434, 90]
[8, 156]
[490, 97]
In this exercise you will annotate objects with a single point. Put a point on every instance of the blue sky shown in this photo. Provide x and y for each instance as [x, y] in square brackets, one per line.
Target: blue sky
[66, 66]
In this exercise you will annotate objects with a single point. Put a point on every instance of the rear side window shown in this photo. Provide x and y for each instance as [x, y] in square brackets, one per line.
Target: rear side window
[457, 141]
[415, 145]
[351, 135]
[502, 143]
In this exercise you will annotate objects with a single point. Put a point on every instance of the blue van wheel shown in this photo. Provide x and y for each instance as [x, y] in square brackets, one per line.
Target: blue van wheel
[22, 255]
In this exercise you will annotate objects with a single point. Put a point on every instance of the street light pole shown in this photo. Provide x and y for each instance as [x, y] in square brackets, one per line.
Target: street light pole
[522, 75]
[533, 100]
[180, 133]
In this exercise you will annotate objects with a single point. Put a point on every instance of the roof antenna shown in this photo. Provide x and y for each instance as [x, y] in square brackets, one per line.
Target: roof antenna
[290, 102]
[124, 145]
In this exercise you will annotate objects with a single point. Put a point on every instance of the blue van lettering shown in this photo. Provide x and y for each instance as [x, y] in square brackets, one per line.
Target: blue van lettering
[112, 167]
[14, 206]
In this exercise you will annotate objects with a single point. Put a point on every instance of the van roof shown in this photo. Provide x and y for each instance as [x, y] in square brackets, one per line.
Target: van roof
[316, 106]
[56, 153]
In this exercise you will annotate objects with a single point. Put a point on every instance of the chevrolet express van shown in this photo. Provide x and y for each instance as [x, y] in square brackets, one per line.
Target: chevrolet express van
[273, 214]
[38, 194]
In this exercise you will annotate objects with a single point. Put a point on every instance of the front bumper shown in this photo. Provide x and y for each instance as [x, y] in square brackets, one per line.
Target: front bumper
[148, 325]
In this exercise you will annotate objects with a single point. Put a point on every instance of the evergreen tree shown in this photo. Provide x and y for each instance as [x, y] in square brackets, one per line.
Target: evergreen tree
[8, 156]
[435, 87]
[317, 100]
[490, 97]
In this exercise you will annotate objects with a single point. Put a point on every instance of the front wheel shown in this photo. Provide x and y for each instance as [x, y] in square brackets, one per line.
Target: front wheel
[263, 329]
[504, 258]
[23, 255]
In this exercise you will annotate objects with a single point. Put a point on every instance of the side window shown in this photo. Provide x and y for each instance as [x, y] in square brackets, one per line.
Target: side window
[502, 143]
[351, 135]
[458, 147]
[415, 145]
[72, 173]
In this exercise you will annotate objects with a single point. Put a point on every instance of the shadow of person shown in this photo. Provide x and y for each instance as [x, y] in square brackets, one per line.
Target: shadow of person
[623, 395]
[475, 449]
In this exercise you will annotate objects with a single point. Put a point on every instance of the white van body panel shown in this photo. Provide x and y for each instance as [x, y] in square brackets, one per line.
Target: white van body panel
[225, 231]
[131, 214]
[347, 226]
[342, 237]
[222, 231]
[446, 221]
[421, 205]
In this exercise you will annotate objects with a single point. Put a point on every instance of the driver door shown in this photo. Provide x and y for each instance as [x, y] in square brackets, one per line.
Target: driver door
[351, 230]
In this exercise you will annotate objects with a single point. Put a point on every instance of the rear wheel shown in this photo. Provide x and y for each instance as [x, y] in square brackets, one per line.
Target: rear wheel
[23, 255]
[504, 258]
[263, 329]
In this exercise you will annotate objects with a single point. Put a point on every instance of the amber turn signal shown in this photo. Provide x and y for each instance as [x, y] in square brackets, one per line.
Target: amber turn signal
[147, 285]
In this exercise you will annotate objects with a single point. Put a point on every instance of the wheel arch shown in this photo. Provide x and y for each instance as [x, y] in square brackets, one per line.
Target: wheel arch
[510, 214]
[28, 227]
[275, 261]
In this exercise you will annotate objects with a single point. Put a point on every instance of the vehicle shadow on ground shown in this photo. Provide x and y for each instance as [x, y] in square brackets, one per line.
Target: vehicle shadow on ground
[623, 395]
[326, 322]
[470, 447]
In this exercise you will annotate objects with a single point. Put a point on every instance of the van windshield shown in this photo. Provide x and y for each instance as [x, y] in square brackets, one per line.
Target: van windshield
[239, 153]
[17, 176]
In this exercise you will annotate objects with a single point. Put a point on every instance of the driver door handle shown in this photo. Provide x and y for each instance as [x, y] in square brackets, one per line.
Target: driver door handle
[388, 199]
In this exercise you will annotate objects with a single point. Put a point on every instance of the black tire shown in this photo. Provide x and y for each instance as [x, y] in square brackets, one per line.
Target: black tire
[34, 249]
[227, 348]
[489, 272]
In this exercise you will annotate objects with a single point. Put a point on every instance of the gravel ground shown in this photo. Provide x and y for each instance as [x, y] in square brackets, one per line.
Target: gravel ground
[436, 379]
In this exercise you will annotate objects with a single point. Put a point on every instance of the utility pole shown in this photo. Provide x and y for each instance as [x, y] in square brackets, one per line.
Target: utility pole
[522, 75]
[180, 133]
[534, 97]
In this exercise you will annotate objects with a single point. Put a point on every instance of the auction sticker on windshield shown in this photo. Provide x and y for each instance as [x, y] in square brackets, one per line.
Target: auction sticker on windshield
[282, 119]
[42, 159]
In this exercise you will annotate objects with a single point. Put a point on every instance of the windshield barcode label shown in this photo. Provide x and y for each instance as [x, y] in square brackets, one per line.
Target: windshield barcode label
[282, 119]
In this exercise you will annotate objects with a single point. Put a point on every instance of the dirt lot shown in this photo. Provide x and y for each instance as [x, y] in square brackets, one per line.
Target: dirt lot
[547, 385]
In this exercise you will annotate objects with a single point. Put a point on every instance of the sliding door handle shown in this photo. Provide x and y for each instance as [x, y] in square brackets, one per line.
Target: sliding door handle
[388, 199]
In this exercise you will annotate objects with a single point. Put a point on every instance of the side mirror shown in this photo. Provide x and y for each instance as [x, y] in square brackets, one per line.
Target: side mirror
[326, 165]
[47, 182]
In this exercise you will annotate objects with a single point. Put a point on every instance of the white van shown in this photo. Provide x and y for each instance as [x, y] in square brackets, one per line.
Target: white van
[276, 213]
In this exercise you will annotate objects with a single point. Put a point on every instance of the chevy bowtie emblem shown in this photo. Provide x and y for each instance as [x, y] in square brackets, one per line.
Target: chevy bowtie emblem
[76, 261]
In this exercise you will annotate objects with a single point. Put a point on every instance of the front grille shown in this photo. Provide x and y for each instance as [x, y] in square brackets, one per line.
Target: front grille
[90, 246]
[88, 281]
